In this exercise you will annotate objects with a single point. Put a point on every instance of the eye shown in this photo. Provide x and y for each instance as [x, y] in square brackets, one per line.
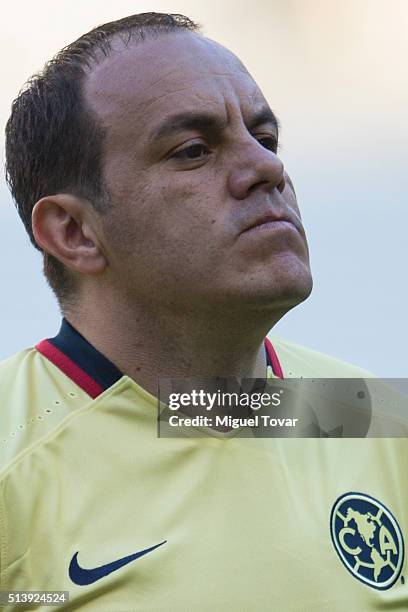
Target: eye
[195, 152]
[269, 142]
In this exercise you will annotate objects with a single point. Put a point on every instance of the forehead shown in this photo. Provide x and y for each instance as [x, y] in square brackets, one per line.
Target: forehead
[140, 84]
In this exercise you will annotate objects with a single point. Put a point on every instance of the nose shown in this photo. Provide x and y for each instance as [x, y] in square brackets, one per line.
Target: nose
[254, 166]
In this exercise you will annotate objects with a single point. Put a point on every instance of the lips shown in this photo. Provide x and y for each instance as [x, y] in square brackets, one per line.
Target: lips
[268, 218]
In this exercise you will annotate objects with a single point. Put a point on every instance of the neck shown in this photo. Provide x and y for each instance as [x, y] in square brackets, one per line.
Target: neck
[146, 345]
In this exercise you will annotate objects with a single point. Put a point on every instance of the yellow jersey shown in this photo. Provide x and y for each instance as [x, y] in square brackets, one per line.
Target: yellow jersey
[92, 502]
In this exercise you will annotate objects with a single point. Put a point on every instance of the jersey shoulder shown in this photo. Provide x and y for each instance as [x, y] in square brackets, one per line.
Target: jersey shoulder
[300, 362]
[35, 397]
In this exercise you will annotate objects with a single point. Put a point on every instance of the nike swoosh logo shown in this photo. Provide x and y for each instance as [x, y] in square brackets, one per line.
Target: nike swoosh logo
[80, 575]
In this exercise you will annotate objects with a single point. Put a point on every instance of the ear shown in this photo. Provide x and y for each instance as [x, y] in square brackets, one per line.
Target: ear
[62, 227]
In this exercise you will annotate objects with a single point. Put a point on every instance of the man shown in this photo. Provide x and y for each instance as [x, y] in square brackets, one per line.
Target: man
[143, 162]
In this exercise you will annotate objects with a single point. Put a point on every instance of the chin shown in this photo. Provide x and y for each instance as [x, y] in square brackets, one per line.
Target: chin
[292, 295]
[278, 297]
[285, 296]
[286, 286]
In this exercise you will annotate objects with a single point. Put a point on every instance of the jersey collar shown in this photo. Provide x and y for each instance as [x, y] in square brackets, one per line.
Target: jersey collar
[91, 370]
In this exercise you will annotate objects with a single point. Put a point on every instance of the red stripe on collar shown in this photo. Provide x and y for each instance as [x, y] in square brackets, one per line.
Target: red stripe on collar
[70, 368]
[276, 366]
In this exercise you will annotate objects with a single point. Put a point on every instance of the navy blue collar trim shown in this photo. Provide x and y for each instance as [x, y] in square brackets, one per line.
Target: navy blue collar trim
[268, 358]
[91, 370]
[70, 342]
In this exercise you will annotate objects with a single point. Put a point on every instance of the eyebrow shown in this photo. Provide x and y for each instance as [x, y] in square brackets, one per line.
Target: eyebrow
[208, 122]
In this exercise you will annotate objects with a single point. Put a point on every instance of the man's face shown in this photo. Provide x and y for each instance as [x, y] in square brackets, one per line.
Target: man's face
[191, 164]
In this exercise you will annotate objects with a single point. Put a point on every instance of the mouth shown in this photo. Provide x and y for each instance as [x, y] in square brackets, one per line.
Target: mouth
[270, 222]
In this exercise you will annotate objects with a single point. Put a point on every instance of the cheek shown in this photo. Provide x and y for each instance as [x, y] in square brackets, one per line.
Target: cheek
[179, 208]
[161, 225]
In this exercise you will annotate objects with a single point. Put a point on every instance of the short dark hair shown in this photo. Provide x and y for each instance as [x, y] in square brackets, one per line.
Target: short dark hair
[54, 143]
